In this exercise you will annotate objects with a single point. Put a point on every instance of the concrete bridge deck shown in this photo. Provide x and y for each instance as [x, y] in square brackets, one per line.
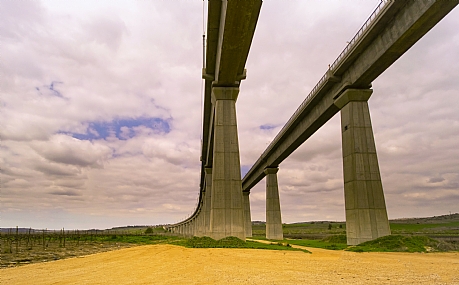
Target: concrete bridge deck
[224, 208]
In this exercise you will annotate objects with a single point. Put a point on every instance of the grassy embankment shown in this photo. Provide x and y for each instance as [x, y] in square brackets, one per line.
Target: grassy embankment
[408, 235]
[198, 242]
[18, 248]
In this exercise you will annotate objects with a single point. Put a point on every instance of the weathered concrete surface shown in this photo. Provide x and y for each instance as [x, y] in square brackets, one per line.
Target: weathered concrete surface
[401, 25]
[247, 215]
[230, 30]
[227, 208]
[207, 200]
[366, 215]
[199, 220]
[273, 211]
[199, 229]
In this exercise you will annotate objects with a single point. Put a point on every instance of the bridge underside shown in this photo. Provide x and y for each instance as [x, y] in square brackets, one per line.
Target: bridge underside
[224, 206]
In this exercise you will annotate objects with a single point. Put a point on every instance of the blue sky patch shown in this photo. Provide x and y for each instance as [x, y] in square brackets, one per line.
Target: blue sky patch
[244, 170]
[267, 127]
[52, 89]
[123, 129]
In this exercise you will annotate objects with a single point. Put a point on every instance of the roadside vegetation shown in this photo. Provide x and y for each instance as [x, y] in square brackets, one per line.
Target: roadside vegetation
[24, 246]
[398, 243]
[433, 234]
[33, 246]
[234, 242]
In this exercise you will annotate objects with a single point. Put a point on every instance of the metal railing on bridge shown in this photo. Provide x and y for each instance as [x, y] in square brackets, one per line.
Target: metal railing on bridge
[383, 5]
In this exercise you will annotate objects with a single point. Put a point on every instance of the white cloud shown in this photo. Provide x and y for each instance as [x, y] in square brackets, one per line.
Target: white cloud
[71, 67]
[69, 151]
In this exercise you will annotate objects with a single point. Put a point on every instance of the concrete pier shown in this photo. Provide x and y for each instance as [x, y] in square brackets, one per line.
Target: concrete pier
[199, 221]
[207, 200]
[227, 209]
[273, 212]
[247, 215]
[366, 215]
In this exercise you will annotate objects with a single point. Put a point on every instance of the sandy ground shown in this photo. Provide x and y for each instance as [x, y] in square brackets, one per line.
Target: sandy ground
[168, 264]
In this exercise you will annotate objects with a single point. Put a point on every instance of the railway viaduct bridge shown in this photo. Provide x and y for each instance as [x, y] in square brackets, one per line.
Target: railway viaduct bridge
[224, 208]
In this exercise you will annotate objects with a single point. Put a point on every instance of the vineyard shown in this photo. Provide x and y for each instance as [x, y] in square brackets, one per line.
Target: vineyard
[24, 246]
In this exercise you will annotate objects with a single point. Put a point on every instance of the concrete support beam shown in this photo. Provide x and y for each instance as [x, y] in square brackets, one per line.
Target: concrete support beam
[273, 212]
[227, 209]
[199, 229]
[394, 32]
[247, 215]
[195, 226]
[366, 215]
[207, 200]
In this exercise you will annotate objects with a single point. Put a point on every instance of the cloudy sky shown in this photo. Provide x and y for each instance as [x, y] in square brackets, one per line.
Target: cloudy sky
[100, 118]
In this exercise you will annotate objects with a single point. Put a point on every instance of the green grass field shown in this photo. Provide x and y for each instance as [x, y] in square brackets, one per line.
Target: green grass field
[233, 242]
[410, 235]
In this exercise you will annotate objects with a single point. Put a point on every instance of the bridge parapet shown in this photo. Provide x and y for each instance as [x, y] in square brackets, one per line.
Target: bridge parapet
[329, 76]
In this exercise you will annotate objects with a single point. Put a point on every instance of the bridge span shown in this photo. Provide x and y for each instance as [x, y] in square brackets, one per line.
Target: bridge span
[224, 207]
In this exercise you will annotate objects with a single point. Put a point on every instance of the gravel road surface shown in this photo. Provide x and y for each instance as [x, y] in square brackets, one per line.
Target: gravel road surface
[168, 264]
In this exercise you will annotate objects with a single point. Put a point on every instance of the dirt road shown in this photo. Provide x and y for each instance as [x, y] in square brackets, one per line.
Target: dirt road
[168, 264]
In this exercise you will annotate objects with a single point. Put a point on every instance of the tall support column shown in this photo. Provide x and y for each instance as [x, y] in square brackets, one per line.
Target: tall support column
[273, 212]
[366, 215]
[199, 229]
[202, 218]
[247, 216]
[227, 209]
[195, 228]
[207, 200]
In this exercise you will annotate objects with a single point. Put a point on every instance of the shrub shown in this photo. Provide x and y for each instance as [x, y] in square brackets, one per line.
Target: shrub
[397, 243]
[336, 239]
